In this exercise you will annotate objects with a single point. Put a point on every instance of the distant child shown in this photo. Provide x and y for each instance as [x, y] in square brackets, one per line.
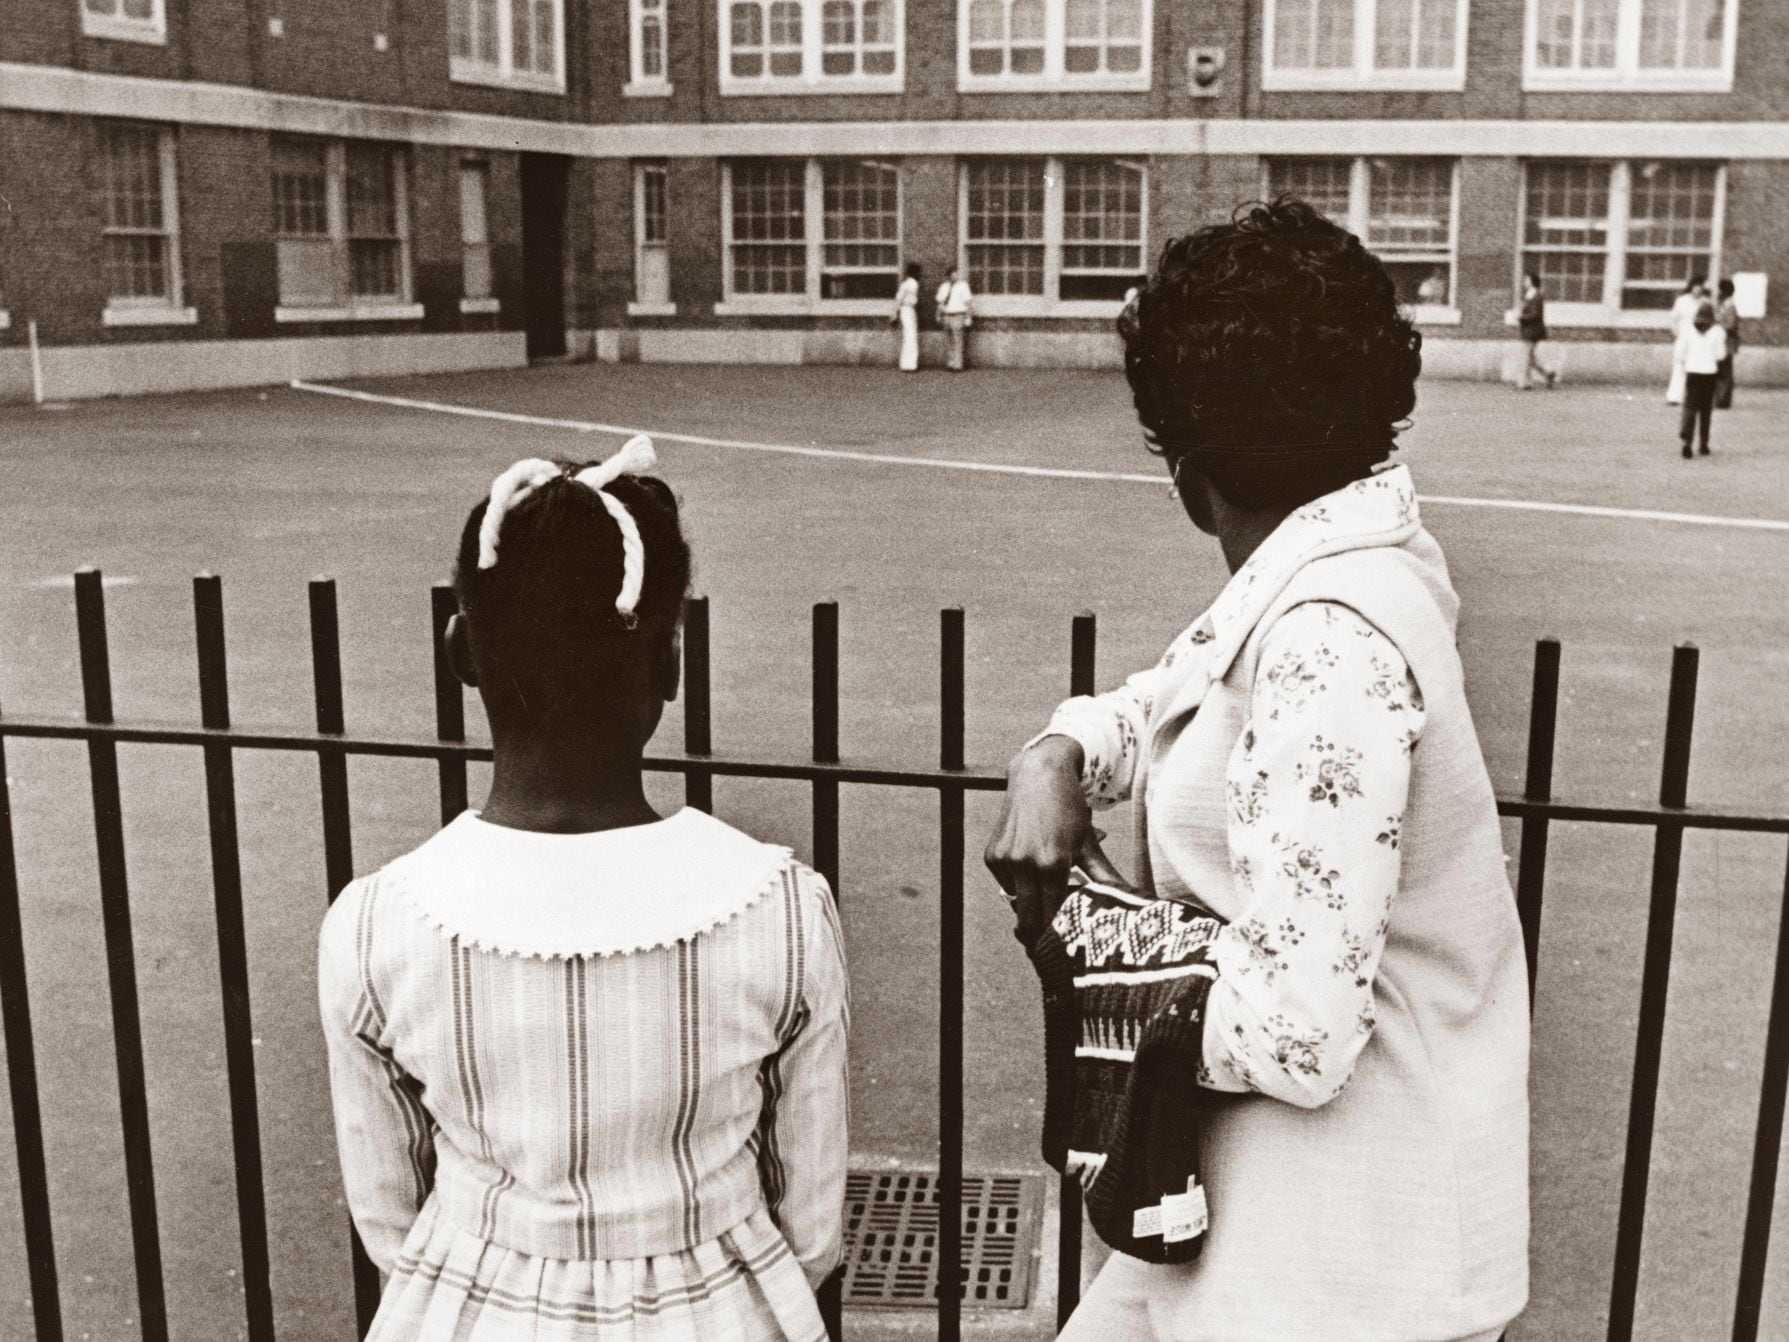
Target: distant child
[1683, 313]
[588, 1062]
[1726, 312]
[956, 305]
[1700, 350]
[1532, 327]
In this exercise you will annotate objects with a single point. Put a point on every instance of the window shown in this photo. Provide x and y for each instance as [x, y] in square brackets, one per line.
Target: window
[125, 20]
[1042, 235]
[341, 230]
[819, 231]
[142, 230]
[507, 42]
[1645, 45]
[476, 293]
[650, 71]
[783, 46]
[652, 255]
[1338, 44]
[1402, 208]
[1029, 44]
[1609, 239]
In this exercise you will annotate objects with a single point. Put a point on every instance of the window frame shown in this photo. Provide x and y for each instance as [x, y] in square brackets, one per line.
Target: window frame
[1362, 73]
[1054, 78]
[1609, 313]
[640, 84]
[810, 301]
[813, 79]
[1360, 214]
[642, 169]
[115, 27]
[344, 304]
[1049, 303]
[504, 74]
[167, 309]
[1627, 75]
[488, 302]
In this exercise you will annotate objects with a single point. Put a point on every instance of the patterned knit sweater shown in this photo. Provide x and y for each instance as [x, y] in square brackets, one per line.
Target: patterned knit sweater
[1125, 978]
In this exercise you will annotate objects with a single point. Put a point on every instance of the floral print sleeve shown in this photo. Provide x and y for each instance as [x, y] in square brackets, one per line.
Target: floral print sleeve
[1110, 729]
[1317, 786]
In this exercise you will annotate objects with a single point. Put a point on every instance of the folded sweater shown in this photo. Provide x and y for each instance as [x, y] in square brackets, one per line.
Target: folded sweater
[1125, 980]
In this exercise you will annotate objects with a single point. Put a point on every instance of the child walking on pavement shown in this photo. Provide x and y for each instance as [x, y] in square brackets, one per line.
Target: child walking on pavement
[587, 1061]
[1701, 350]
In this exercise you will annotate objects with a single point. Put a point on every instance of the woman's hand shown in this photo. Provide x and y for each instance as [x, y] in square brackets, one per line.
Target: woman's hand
[1045, 827]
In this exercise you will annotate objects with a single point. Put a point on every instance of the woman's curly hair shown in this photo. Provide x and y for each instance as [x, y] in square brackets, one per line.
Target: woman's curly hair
[1270, 353]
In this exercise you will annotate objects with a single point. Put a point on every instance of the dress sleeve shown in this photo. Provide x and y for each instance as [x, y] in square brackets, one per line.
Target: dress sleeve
[1111, 730]
[1316, 790]
[803, 1133]
[384, 1136]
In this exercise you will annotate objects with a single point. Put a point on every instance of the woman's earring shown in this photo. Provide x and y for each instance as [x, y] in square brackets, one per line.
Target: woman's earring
[1174, 476]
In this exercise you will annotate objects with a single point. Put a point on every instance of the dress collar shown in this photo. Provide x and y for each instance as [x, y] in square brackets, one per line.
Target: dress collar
[524, 893]
[1379, 510]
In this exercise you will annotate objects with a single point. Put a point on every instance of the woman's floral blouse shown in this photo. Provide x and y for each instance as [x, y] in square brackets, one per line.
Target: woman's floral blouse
[1316, 789]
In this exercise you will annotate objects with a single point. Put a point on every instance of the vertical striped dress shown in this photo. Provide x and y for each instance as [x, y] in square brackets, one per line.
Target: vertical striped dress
[591, 1086]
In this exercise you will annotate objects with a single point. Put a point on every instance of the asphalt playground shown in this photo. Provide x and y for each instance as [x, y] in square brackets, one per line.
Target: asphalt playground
[1024, 497]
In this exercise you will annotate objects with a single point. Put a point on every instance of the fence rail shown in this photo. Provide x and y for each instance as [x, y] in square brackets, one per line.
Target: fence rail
[218, 740]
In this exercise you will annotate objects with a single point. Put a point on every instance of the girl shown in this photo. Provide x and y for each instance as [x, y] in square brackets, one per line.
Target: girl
[588, 1062]
[1683, 316]
[1533, 329]
[906, 315]
[1303, 763]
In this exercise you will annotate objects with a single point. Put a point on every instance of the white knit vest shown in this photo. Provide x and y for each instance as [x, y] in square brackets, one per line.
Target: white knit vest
[1398, 1212]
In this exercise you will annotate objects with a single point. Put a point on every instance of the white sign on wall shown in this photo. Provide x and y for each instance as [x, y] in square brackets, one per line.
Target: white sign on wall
[1749, 288]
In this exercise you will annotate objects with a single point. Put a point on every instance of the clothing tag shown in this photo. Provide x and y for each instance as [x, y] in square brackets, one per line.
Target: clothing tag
[1146, 1223]
[1184, 1215]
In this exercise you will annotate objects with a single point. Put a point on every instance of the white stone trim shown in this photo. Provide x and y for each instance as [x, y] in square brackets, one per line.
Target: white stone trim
[1595, 316]
[158, 315]
[5, 319]
[1434, 314]
[795, 305]
[646, 88]
[46, 88]
[361, 312]
[480, 306]
[654, 309]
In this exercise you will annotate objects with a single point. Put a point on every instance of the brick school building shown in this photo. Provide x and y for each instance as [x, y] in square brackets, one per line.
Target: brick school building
[200, 193]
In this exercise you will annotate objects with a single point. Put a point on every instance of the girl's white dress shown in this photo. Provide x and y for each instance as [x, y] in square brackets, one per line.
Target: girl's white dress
[1683, 316]
[907, 310]
[591, 1086]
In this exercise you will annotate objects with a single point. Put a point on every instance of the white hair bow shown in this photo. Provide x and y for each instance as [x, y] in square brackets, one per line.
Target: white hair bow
[516, 483]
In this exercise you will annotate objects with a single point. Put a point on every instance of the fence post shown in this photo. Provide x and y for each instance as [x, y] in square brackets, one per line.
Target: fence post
[1083, 637]
[21, 1078]
[1754, 1249]
[1655, 982]
[232, 956]
[950, 981]
[1531, 873]
[450, 701]
[826, 740]
[121, 964]
[338, 843]
[698, 784]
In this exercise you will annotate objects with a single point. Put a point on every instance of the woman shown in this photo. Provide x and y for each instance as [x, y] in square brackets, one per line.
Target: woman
[1533, 328]
[588, 1062]
[956, 308]
[1683, 316]
[1366, 1160]
[906, 316]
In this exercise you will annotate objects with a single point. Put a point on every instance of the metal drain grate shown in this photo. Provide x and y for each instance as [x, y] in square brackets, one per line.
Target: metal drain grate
[891, 1238]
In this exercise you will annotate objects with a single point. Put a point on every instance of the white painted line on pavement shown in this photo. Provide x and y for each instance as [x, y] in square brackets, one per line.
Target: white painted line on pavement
[993, 468]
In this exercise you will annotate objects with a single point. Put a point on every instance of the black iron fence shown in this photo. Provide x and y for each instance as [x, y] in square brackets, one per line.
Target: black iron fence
[218, 740]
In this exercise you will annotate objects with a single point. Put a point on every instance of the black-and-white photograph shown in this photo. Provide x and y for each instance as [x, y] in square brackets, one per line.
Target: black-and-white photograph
[894, 670]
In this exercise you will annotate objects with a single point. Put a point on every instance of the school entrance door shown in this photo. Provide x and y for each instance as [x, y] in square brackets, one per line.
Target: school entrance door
[544, 178]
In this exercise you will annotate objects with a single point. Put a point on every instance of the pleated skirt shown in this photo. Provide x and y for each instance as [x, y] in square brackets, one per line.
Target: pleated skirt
[449, 1285]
